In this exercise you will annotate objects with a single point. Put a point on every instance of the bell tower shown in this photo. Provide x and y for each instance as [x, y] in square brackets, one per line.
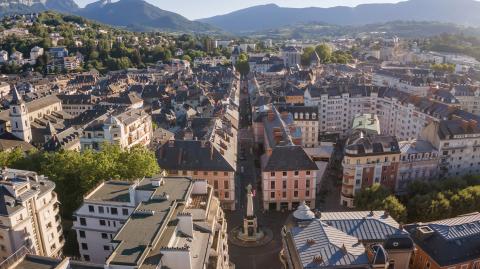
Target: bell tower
[19, 118]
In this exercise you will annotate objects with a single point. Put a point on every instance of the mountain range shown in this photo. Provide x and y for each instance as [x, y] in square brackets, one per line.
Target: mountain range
[136, 15]
[257, 18]
[139, 15]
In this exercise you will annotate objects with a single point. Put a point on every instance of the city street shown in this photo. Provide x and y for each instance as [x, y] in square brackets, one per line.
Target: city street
[258, 257]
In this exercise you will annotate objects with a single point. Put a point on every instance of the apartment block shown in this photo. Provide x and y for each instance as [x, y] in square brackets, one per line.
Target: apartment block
[369, 159]
[419, 160]
[446, 244]
[126, 128]
[103, 212]
[29, 213]
[289, 175]
[458, 143]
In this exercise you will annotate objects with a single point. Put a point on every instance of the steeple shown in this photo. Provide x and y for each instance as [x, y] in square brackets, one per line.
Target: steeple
[17, 98]
[19, 120]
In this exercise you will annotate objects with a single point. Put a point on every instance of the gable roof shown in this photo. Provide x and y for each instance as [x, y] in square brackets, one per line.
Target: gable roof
[192, 155]
[289, 158]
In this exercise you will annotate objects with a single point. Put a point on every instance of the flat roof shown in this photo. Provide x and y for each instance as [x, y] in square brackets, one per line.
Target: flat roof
[149, 220]
[111, 191]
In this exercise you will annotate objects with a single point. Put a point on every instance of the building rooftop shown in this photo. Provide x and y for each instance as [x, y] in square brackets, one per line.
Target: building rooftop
[111, 191]
[322, 246]
[145, 226]
[364, 225]
[367, 122]
[450, 241]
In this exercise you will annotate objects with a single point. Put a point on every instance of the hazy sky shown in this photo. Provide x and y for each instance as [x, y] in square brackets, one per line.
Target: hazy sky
[195, 9]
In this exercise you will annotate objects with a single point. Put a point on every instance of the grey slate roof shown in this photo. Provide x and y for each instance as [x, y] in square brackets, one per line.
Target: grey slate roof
[335, 248]
[453, 241]
[192, 155]
[289, 158]
[367, 226]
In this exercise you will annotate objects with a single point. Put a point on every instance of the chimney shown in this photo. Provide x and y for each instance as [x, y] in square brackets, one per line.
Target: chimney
[185, 223]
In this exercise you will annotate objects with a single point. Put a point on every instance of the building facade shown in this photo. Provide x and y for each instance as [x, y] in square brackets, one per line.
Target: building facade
[29, 214]
[124, 128]
[181, 222]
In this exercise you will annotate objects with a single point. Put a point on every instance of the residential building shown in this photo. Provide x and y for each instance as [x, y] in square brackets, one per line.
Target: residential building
[29, 213]
[419, 160]
[3, 57]
[447, 244]
[200, 159]
[468, 98]
[289, 175]
[458, 143]
[344, 240]
[126, 128]
[23, 260]
[103, 212]
[307, 119]
[292, 56]
[369, 158]
[4, 89]
[36, 52]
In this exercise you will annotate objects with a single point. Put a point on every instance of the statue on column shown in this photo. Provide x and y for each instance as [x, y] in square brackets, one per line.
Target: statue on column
[250, 229]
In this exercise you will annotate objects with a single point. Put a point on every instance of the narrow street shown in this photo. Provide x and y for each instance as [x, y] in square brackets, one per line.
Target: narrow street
[265, 257]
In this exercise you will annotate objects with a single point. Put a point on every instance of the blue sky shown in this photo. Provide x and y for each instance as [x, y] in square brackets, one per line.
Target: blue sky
[195, 9]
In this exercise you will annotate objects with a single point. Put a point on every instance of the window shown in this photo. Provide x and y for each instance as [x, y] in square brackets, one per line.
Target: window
[272, 185]
[84, 246]
[114, 211]
[205, 173]
[227, 195]
[295, 194]
[225, 184]
[83, 222]
[284, 184]
[106, 247]
[307, 184]
[284, 194]
[91, 208]
[86, 258]
[307, 193]
[100, 209]
[215, 184]
[272, 174]
[102, 222]
[225, 174]
[215, 173]
[284, 174]
[125, 212]
[272, 195]
[104, 236]
[296, 173]
[81, 234]
[296, 184]
[308, 173]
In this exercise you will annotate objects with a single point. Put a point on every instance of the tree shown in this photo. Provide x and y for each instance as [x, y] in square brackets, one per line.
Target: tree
[324, 53]
[187, 58]
[306, 58]
[395, 208]
[76, 173]
[378, 197]
[242, 65]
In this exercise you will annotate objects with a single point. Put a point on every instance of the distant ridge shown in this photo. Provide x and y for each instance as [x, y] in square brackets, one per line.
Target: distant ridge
[136, 15]
[257, 18]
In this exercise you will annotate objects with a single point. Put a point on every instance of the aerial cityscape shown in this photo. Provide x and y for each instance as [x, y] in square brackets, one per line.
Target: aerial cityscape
[307, 134]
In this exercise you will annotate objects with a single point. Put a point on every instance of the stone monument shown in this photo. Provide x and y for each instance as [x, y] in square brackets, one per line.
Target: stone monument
[250, 229]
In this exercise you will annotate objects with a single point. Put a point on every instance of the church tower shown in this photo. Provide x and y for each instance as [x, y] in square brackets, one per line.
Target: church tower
[19, 118]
